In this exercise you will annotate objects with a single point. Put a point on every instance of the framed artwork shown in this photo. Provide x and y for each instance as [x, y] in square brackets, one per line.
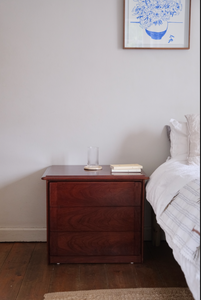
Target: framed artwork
[157, 24]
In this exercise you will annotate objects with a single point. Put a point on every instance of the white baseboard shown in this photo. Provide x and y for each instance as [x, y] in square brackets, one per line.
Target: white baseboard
[38, 234]
[23, 235]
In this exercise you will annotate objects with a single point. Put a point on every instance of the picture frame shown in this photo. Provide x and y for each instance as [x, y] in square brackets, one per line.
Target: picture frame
[157, 24]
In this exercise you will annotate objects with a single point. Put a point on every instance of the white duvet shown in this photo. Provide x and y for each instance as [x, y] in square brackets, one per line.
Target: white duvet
[164, 185]
[167, 180]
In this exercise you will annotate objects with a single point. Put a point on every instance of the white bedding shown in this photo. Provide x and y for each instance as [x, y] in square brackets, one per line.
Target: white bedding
[163, 188]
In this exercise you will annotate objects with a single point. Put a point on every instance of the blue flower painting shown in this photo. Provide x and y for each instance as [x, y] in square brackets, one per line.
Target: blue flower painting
[153, 15]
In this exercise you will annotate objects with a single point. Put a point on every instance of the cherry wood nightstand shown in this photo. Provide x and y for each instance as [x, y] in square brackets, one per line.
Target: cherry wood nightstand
[94, 216]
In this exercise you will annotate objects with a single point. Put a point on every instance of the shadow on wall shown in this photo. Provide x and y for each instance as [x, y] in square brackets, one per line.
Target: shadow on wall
[144, 148]
[148, 149]
[23, 202]
[119, 25]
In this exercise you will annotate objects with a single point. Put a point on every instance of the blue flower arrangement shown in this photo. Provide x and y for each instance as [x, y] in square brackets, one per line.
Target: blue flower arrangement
[151, 12]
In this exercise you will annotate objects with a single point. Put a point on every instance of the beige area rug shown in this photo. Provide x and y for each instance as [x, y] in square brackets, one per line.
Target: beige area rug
[124, 294]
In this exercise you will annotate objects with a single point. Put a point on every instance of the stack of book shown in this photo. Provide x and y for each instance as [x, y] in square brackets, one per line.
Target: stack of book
[126, 168]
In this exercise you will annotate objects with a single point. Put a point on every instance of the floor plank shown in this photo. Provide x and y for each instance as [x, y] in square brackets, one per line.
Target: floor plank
[5, 249]
[26, 275]
[120, 276]
[92, 277]
[38, 276]
[66, 277]
[14, 269]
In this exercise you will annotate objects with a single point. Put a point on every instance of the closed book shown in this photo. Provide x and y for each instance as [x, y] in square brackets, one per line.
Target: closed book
[126, 170]
[126, 173]
[126, 166]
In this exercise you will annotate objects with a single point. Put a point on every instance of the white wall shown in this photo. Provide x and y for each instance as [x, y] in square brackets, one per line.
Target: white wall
[66, 83]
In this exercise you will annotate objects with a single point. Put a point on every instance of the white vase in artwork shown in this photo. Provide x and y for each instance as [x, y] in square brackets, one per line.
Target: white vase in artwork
[157, 31]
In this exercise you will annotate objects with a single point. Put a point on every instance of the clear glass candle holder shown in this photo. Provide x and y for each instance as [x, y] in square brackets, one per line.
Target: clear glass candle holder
[93, 158]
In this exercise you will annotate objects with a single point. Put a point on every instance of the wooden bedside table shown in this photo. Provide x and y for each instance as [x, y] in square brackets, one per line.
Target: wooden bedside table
[94, 216]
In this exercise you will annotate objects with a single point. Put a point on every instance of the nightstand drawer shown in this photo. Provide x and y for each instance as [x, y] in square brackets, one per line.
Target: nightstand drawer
[90, 219]
[95, 193]
[95, 243]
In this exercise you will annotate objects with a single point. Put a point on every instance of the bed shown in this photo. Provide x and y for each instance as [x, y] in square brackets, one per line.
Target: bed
[173, 191]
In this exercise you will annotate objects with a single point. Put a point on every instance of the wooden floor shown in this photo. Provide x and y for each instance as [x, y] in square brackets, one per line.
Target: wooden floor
[25, 274]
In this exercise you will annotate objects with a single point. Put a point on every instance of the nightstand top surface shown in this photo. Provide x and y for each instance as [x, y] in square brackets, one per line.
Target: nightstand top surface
[66, 171]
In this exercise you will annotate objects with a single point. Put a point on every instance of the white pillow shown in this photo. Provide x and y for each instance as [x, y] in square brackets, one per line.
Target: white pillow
[193, 123]
[178, 140]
